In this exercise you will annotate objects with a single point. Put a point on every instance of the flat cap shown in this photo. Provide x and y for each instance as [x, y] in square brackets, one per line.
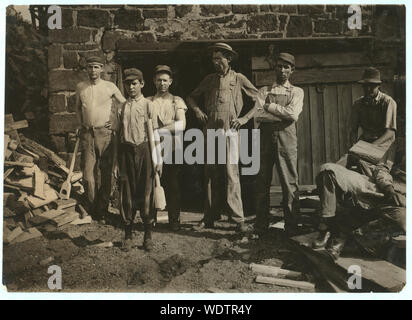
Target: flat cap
[223, 46]
[287, 57]
[163, 68]
[94, 59]
[133, 74]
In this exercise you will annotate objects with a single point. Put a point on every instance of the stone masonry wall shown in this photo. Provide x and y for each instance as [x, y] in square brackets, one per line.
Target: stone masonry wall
[91, 30]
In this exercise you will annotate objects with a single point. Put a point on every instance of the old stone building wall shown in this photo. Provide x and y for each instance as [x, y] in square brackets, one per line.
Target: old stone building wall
[90, 30]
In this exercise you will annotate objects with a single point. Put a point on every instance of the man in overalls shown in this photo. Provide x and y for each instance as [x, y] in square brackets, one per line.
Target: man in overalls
[222, 93]
[279, 146]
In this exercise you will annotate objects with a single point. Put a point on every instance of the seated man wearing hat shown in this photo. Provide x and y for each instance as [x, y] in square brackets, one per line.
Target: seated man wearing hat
[136, 178]
[374, 113]
[169, 117]
[222, 93]
[94, 103]
[279, 145]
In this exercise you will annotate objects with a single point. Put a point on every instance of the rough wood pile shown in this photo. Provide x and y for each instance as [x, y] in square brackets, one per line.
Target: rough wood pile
[32, 177]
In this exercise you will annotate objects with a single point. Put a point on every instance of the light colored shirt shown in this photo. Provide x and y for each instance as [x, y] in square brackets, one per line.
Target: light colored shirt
[164, 109]
[374, 116]
[133, 119]
[293, 108]
[96, 101]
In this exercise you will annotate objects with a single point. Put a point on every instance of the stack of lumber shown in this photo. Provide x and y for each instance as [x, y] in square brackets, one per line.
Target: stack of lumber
[33, 176]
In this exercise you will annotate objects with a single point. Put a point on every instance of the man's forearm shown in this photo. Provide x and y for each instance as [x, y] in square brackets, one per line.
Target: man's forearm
[389, 134]
[191, 103]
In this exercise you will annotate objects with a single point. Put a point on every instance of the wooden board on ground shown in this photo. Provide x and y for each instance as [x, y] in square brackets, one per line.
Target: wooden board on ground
[377, 275]
[286, 283]
[50, 196]
[45, 216]
[31, 233]
[24, 183]
[13, 235]
[39, 179]
[65, 218]
[64, 204]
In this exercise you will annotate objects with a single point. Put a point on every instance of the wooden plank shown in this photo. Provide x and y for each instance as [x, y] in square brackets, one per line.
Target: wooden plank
[381, 272]
[304, 143]
[273, 271]
[285, 282]
[39, 179]
[65, 204]
[45, 216]
[18, 164]
[31, 233]
[16, 125]
[65, 218]
[331, 123]
[317, 133]
[335, 59]
[7, 152]
[25, 183]
[313, 76]
[344, 107]
[35, 202]
[7, 173]
[13, 235]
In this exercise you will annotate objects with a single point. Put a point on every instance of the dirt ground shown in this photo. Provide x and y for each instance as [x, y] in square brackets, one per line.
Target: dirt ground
[214, 260]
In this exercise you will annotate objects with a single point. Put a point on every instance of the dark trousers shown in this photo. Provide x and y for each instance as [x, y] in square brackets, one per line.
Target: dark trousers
[278, 152]
[136, 183]
[170, 182]
[96, 163]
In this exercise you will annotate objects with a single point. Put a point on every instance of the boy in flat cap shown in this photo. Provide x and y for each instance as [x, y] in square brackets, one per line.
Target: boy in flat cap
[279, 145]
[222, 93]
[168, 117]
[94, 102]
[136, 179]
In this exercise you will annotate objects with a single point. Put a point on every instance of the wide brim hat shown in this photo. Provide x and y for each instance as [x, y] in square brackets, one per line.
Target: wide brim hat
[223, 46]
[371, 75]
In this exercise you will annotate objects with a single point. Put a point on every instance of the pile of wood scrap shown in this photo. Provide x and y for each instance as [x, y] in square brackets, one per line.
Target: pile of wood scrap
[33, 176]
[376, 275]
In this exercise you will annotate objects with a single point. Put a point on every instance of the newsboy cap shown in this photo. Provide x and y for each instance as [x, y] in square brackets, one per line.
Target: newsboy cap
[163, 68]
[223, 46]
[133, 74]
[287, 57]
[94, 59]
[371, 75]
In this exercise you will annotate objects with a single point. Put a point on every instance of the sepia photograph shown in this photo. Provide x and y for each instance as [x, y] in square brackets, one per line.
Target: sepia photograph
[204, 148]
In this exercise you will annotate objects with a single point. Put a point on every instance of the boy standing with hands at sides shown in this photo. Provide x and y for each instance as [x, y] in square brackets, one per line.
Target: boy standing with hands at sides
[168, 118]
[136, 168]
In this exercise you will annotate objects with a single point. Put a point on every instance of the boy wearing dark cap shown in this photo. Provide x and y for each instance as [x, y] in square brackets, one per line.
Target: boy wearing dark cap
[278, 146]
[136, 179]
[94, 103]
[169, 117]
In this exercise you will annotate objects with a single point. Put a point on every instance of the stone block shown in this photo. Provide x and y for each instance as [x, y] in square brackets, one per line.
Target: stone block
[282, 21]
[71, 103]
[67, 18]
[263, 22]
[69, 35]
[62, 122]
[154, 13]
[311, 9]
[129, 19]
[59, 143]
[109, 40]
[245, 9]
[93, 18]
[65, 80]
[328, 26]
[183, 10]
[215, 10]
[57, 103]
[289, 9]
[299, 26]
[70, 60]
[54, 56]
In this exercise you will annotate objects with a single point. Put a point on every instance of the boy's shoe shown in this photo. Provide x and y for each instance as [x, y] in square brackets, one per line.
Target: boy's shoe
[148, 245]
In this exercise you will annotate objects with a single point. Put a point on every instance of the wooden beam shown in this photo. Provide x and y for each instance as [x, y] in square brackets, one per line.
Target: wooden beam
[273, 271]
[313, 76]
[285, 282]
[16, 125]
[18, 164]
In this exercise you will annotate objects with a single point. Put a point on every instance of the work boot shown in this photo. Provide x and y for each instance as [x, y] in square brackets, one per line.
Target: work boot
[327, 227]
[242, 227]
[174, 225]
[322, 239]
[204, 225]
[128, 238]
[147, 240]
[335, 247]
